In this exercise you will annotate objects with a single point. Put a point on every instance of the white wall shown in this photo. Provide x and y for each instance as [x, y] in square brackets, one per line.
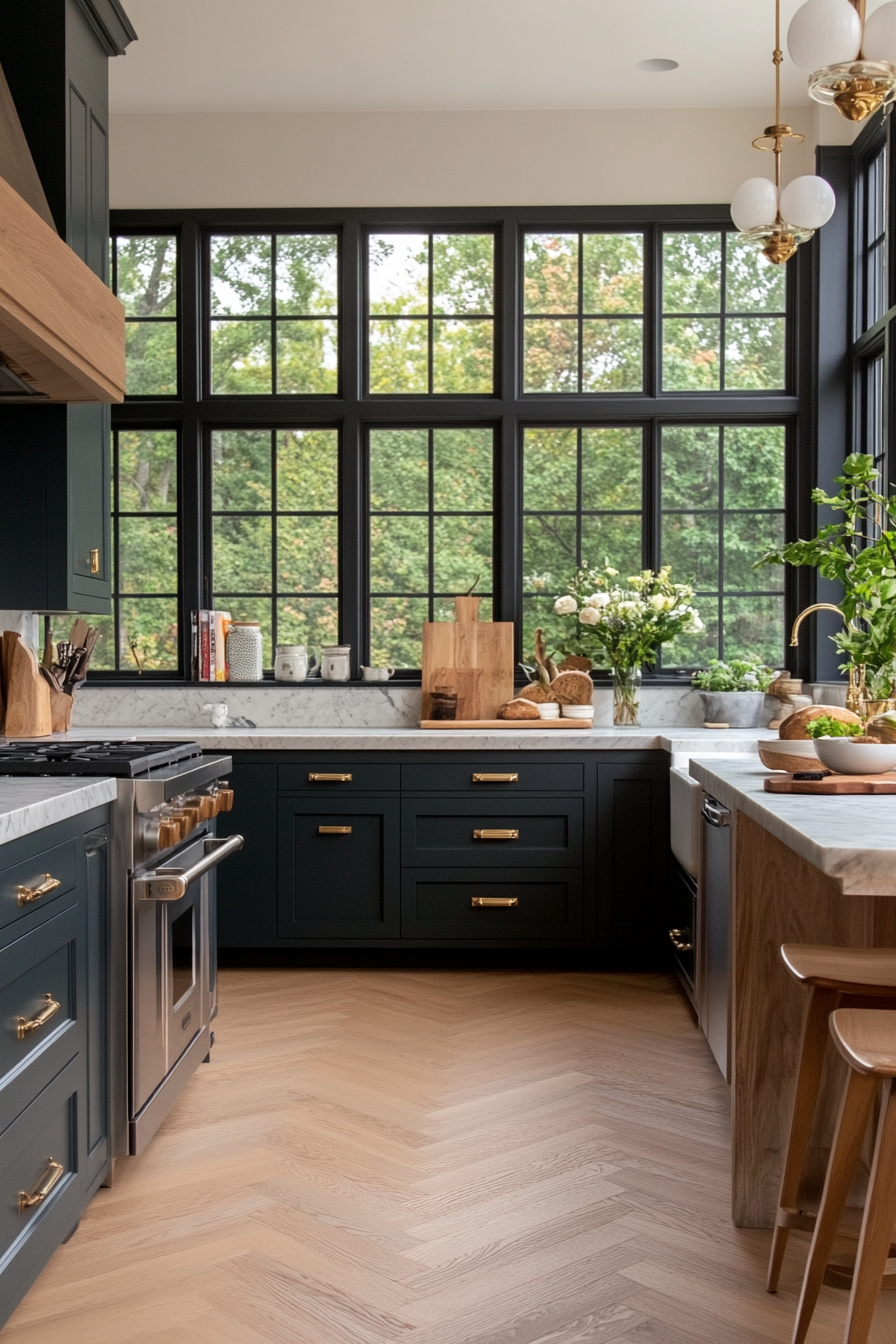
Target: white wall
[682, 156]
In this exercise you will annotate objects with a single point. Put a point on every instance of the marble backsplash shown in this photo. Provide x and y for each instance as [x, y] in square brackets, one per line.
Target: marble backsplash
[332, 706]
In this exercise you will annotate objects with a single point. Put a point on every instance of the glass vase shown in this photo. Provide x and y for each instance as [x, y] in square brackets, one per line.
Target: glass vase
[626, 705]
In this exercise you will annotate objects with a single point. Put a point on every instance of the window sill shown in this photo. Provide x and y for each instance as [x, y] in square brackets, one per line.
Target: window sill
[602, 681]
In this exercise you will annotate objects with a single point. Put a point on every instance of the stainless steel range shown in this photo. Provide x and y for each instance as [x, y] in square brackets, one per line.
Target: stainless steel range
[163, 996]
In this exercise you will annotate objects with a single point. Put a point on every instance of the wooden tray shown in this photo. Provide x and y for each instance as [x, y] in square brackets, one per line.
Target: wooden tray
[474, 657]
[510, 723]
[834, 784]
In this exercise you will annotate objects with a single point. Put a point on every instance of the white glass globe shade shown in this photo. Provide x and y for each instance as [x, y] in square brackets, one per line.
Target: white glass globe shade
[807, 202]
[879, 43]
[824, 32]
[755, 204]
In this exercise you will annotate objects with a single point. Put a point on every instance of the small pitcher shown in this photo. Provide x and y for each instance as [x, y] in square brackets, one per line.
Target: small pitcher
[291, 663]
[376, 673]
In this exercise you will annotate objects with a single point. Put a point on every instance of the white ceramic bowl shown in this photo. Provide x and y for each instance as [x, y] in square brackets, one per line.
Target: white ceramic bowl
[777, 753]
[577, 711]
[548, 711]
[855, 758]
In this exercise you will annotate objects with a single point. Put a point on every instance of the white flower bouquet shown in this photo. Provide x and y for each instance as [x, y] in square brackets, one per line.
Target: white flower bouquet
[623, 624]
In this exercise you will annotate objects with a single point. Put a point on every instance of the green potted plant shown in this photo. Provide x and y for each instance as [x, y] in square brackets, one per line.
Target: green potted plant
[859, 553]
[734, 693]
[623, 625]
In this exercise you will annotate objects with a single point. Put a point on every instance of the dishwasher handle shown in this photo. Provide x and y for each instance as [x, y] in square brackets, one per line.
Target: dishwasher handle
[170, 884]
[715, 813]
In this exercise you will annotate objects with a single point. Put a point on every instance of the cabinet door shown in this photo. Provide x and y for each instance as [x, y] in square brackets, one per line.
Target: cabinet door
[98, 1061]
[247, 882]
[632, 856]
[88, 503]
[338, 868]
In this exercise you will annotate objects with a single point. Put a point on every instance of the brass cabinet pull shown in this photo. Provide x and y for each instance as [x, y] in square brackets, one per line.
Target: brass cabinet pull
[94, 560]
[496, 779]
[24, 1024]
[38, 1193]
[28, 894]
[496, 835]
[315, 778]
[494, 902]
[681, 940]
[334, 830]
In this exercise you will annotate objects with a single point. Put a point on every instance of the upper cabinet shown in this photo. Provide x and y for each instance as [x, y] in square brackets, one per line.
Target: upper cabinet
[54, 459]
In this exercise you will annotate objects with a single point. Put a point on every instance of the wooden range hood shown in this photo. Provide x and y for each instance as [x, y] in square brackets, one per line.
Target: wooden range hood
[61, 329]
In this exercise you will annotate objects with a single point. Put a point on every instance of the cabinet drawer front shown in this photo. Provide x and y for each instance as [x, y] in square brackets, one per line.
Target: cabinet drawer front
[479, 904]
[333, 777]
[506, 778]
[494, 833]
[20, 886]
[41, 1140]
[338, 869]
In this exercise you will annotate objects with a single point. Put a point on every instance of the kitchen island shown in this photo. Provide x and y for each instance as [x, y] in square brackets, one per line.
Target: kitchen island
[805, 869]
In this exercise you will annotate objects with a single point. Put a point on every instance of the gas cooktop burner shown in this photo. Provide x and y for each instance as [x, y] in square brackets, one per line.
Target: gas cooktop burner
[128, 759]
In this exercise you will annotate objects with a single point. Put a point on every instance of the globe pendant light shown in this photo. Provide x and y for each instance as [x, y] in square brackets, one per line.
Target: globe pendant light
[781, 220]
[853, 61]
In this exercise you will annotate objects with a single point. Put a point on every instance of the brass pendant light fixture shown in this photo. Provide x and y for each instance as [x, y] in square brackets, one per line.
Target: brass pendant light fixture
[781, 219]
[852, 59]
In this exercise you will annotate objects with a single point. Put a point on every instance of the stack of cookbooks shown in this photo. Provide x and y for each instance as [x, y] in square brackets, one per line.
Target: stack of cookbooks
[209, 645]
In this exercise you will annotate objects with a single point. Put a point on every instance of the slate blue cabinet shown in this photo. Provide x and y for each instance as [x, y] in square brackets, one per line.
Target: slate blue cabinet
[54, 1049]
[585, 866]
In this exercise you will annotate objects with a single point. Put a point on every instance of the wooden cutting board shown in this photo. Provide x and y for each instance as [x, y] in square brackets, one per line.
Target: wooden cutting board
[27, 694]
[581, 724]
[473, 657]
[833, 784]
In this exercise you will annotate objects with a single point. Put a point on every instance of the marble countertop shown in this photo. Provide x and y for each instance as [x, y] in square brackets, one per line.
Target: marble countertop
[851, 839]
[27, 805]
[681, 740]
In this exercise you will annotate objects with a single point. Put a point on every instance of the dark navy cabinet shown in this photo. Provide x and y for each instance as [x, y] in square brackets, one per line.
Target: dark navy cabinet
[555, 849]
[54, 1053]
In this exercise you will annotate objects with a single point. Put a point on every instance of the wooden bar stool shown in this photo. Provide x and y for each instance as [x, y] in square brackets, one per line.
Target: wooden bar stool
[834, 975]
[866, 1038]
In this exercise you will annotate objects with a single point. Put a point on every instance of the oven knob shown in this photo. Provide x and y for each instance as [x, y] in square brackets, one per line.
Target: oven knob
[184, 822]
[169, 833]
[204, 803]
[193, 815]
[225, 800]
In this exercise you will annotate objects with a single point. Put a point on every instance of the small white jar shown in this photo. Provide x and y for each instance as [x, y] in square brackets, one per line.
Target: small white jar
[244, 651]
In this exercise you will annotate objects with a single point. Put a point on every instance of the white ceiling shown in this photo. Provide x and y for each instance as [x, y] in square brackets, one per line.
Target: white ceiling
[406, 55]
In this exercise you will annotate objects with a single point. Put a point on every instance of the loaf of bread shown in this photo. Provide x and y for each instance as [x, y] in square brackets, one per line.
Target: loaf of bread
[518, 709]
[794, 727]
[573, 663]
[538, 693]
[572, 688]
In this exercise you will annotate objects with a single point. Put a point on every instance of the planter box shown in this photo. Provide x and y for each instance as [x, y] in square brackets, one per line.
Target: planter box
[739, 709]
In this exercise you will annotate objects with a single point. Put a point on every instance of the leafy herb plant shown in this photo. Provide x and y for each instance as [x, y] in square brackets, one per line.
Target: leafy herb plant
[825, 726]
[741, 674]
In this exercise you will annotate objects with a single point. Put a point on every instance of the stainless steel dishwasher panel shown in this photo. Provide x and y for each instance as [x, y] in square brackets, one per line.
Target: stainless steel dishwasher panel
[716, 898]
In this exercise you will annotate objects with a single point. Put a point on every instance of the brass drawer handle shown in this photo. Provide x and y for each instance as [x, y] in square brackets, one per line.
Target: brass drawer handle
[494, 902]
[334, 830]
[681, 940]
[27, 894]
[496, 835]
[496, 779]
[24, 1024]
[315, 778]
[38, 1193]
[94, 560]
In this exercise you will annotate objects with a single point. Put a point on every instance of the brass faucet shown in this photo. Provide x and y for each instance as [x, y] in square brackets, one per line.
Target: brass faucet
[855, 691]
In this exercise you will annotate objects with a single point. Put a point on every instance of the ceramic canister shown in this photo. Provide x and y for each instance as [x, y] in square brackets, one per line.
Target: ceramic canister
[291, 663]
[335, 662]
[244, 651]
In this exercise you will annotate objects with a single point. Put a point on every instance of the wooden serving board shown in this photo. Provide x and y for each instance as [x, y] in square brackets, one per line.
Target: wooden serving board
[507, 723]
[473, 657]
[833, 784]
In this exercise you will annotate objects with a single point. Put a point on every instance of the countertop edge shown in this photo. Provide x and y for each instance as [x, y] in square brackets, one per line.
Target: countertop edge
[51, 801]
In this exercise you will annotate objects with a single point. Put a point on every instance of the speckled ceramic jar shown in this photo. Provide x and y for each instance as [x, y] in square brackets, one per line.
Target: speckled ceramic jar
[244, 651]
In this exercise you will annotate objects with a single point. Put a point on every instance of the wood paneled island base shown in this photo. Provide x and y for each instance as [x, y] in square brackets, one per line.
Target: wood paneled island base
[780, 897]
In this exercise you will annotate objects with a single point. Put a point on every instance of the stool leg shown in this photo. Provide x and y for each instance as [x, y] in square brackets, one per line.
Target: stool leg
[877, 1224]
[852, 1125]
[822, 1003]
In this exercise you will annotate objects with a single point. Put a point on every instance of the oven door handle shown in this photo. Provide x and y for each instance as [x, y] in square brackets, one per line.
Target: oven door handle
[170, 884]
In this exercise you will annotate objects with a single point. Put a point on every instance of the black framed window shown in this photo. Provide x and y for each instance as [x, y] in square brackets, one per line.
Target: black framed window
[431, 304]
[144, 276]
[275, 532]
[274, 305]
[375, 408]
[143, 629]
[872, 291]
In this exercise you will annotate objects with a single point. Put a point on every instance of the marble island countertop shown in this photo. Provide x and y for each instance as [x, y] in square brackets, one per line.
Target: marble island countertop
[29, 804]
[677, 740]
[850, 838]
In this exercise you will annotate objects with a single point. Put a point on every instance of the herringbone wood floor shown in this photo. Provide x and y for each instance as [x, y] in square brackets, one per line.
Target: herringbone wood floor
[432, 1157]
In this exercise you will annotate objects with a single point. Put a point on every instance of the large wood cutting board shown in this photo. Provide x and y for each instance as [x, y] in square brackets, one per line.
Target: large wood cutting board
[473, 657]
[833, 784]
